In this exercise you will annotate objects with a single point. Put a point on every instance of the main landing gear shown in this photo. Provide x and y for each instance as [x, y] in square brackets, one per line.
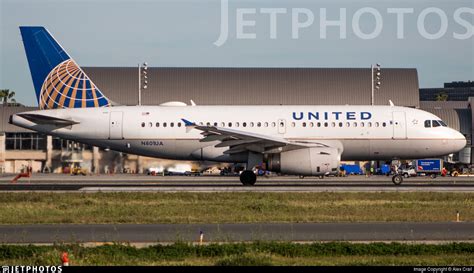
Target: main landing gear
[248, 178]
[397, 179]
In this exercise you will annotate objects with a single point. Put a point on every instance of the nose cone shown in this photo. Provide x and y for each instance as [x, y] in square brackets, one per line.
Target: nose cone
[458, 141]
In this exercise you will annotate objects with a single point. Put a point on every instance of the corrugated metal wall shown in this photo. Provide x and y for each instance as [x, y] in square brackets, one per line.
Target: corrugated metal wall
[255, 86]
[6, 112]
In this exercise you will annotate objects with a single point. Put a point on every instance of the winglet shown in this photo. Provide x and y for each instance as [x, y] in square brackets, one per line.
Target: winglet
[188, 124]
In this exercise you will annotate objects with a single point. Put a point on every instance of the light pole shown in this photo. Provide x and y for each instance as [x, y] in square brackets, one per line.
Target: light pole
[376, 78]
[142, 73]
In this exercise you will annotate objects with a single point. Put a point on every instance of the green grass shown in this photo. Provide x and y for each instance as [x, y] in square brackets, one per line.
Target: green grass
[257, 253]
[34, 208]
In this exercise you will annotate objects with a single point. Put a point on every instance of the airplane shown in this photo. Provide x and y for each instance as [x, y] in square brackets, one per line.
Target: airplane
[305, 140]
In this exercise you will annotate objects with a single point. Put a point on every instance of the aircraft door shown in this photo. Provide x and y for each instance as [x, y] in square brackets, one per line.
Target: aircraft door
[115, 125]
[281, 126]
[399, 125]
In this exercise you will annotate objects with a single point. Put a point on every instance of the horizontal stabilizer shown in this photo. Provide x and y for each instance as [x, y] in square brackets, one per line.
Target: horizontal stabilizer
[42, 119]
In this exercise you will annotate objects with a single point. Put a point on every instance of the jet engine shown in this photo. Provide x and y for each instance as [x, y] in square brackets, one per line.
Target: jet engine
[305, 161]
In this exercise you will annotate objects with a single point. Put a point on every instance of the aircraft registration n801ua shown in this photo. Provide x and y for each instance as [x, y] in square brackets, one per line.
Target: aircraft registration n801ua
[303, 140]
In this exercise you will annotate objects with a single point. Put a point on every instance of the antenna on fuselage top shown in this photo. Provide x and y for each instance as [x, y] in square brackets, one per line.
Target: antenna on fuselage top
[391, 103]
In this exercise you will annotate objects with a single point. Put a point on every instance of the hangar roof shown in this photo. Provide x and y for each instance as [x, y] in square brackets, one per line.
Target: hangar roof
[255, 86]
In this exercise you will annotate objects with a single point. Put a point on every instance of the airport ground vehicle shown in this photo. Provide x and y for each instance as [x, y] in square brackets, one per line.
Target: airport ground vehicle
[384, 170]
[431, 167]
[352, 169]
[77, 169]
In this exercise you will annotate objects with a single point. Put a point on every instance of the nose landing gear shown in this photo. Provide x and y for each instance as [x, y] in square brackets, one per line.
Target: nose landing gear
[248, 178]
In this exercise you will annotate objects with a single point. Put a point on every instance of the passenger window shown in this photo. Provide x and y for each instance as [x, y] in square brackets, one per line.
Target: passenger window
[207, 124]
[325, 124]
[157, 124]
[259, 124]
[319, 124]
[179, 124]
[355, 124]
[230, 124]
[293, 124]
[436, 123]
[251, 124]
[304, 124]
[150, 124]
[333, 124]
[215, 124]
[376, 124]
[348, 124]
[362, 124]
[311, 124]
[273, 124]
[244, 124]
[427, 123]
[164, 124]
[384, 124]
[341, 124]
[369, 124]
[282, 124]
[266, 124]
[237, 124]
[143, 124]
[222, 124]
[172, 124]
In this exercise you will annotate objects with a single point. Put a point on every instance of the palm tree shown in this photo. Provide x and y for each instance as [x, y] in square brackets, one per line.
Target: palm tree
[6, 96]
[441, 96]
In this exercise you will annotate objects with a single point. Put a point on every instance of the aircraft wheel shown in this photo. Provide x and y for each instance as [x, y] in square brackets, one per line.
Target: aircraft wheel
[397, 179]
[248, 178]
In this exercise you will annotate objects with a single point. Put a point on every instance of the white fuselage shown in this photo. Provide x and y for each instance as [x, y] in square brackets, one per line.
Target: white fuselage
[365, 132]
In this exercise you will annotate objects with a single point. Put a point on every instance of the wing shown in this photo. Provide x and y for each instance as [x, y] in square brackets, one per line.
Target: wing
[239, 141]
[45, 120]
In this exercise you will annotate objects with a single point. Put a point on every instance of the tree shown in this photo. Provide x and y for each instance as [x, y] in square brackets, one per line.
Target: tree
[441, 96]
[6, 96]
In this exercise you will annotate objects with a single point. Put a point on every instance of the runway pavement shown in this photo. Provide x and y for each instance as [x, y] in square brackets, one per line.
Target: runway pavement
[150, 233]
[143, 183]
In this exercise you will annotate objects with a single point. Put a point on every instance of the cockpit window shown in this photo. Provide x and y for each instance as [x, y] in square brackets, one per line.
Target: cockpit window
[427, 123]
[442, 123]
[436, 123]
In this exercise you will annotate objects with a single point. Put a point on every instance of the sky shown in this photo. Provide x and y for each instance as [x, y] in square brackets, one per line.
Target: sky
[183, 33]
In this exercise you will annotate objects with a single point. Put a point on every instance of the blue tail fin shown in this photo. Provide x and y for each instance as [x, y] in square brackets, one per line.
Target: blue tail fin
[59, 82]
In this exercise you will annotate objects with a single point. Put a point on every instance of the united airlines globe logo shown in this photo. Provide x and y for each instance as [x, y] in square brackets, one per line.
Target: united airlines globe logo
[67, 86]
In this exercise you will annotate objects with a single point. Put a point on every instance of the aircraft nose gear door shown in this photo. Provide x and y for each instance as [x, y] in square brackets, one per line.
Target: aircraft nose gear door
[281, 126]
[399, 125]
[115, 125]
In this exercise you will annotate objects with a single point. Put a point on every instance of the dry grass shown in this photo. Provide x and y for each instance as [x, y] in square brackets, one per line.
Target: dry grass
[22, 208]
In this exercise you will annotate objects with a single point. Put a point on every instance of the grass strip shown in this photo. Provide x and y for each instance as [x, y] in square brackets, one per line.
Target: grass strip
[257, 253]
[250, 207]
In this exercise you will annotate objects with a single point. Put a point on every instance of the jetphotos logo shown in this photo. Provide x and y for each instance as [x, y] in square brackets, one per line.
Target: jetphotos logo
[365, 23]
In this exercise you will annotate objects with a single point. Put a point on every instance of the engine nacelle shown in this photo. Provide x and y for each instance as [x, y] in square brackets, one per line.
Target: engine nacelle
[306, 161]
